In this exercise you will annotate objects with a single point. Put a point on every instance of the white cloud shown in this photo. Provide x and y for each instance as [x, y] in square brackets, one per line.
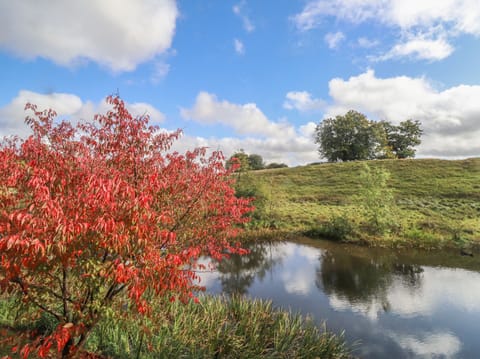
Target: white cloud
[247, 23]
[333, 39]
[289, 150]
[449, 117]
[355, 11]
[308, 130]
[302, 101]
[274, 141]
[12, 116]
[161, 69]
[367, 43]
[239, 47]
[461, 15]
[244, 119]
[413, 18]
[118, 34]
[421, 48]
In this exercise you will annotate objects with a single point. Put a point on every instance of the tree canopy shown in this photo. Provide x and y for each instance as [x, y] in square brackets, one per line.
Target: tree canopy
[99, 217]
[353, 137]
[402, 139]
[246, 162]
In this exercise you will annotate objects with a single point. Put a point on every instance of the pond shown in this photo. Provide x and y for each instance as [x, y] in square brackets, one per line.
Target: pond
[396, 304]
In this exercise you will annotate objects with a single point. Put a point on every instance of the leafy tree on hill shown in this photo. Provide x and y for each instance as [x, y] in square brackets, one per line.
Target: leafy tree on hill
[353, 137]
[98, 217]
[256, 162]
[276, 165]
[246, 162]
[349, 137]
[403, 138]
[239, 160]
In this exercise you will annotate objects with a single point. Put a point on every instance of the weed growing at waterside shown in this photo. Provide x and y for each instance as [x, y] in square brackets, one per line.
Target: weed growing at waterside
[233, 327]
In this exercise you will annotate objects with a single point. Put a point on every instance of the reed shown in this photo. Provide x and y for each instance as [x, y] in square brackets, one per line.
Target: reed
[217, 327]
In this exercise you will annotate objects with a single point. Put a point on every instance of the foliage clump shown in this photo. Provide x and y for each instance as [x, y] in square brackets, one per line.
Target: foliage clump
[233, 327]
[100, 214]
[377, 200]
[250, 162]
[353, 137]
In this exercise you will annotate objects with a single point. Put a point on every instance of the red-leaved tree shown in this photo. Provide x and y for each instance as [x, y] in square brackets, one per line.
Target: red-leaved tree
[101, 212]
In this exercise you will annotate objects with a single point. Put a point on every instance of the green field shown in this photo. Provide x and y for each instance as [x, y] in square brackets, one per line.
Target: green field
[436, 202]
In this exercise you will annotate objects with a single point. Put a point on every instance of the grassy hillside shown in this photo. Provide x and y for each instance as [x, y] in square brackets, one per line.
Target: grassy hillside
[436, 202]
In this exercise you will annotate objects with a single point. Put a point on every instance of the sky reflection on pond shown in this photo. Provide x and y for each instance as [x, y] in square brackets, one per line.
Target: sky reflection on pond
[422, 305]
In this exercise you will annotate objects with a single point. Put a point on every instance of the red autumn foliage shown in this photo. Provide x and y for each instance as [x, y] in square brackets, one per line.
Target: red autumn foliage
[101, 212]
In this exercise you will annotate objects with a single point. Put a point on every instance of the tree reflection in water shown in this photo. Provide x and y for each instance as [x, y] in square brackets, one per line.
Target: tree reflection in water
[363, 280]
[237, 273]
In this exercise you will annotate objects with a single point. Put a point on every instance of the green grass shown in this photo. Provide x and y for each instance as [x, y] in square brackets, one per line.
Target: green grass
[221, 328]
[437, 201]
[217, 327]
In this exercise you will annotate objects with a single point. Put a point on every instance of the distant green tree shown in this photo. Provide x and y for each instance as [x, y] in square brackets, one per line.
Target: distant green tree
[349, 137]
[402, 139]
[247, 162]
[353, 137]
[256, 162]
[276, 165]
[239, 158]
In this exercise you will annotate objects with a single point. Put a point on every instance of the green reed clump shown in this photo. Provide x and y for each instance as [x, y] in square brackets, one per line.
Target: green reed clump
[216, 328]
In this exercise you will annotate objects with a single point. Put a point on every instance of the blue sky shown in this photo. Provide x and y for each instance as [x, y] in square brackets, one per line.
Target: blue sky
[252, 75]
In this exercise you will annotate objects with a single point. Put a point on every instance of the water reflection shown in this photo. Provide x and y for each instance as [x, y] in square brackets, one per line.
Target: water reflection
[237, 273]
[362, 282]
[399, 304]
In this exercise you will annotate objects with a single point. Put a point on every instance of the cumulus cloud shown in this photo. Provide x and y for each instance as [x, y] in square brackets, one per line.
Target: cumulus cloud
[292, 151]
[12, 116]
[239, 47]
[367, 43]
[449, 117]
[421, 48]
[431, 23]
[302, 101]
[238, 10]
[244, 119]
[460, 15]
[161, 69]
[274, 141]
[118, 34]
[333, 39]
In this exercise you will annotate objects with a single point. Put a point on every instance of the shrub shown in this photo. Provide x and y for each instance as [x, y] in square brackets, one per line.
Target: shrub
[376, 199]
[338, 228]
[98, 212]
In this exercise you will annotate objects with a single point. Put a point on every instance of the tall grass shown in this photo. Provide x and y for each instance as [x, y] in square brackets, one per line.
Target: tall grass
[217, 327]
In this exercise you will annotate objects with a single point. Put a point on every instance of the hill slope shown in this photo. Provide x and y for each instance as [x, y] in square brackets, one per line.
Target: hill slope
[437, 202]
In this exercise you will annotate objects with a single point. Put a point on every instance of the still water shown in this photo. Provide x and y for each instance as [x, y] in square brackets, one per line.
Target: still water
[391, 304]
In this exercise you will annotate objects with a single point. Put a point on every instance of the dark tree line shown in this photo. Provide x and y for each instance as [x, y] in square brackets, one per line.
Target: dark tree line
[251, 162]
[354, 137]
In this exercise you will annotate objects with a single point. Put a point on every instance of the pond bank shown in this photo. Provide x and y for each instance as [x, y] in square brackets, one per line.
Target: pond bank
[390, 302]
[425, 203]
